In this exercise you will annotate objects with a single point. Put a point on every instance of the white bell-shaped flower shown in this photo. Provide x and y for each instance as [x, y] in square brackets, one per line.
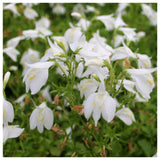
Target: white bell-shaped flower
[8, 112]
[12, 52]
[143, 80]
[14, 41]
[59, 9]
[46, 94]
[122, 52]
[41, 116]
[144, 61]
[108, 21]
[75, 38]
[100, 103]
[36, 76]
[30, 13]
[12, 131]
[87, 86]
[129, 33]
[12, 7]
[126, 115]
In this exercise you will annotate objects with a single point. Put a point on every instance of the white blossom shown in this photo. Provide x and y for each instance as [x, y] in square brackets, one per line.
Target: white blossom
[126, 115]
[100, 103]
[30, 13]
[41, 116]
[12, 131]
[36, 76]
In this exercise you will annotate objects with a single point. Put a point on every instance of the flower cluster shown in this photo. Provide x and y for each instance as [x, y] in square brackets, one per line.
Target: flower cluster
[99, 71]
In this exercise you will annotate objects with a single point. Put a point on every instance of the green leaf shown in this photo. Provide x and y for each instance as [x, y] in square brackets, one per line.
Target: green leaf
[146, 147]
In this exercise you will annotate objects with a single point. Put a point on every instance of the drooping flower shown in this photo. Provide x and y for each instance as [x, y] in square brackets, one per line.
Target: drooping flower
[121, 8]
[59, 9]
[32, 33]
[30, 13]
[87, 86]
[14, 41]
[45, 94]
[12, 7]
[143, 80]
[83, 23]
[75, 38]
[36, 76]
[108, 21]
[41, 116]
[129, 33]
[126, 115]
[12, 52]
[21, 100]
[43, 22]
[12, 131]
[8, 112]
[100, 103]
[150, 13]
[122, 52]
[144, 61]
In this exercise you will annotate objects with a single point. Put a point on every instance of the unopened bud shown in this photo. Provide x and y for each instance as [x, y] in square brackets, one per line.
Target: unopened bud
[60, 44]
[6, 78]
[96, 77]
[76, 14]
[59, 54]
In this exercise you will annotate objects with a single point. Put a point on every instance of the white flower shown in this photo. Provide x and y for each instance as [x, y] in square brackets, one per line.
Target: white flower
[144, 61]
[59, 9]
[150, 13]
[83, 23]
[101, 72]
[8, 112]
[118, 40]
[126, 115]
[121, 8]
[90, 9]
[44, 31]
[100, 103]
[36, 76]
[143, 80]
[30, 56]
[12, 8]
[43, 22]
[139, 35]
[32, 33]
[12, 53]
[119, 22]
[14, 41]
[108, 21]
[128, 85]
[75, 38]
[129, 33]
[122, 52]
[45, 94]
[30, 13]
[54, 51]
[87, 86]
[96, 48]
[41, 116]
[11, 132]
[21, 100]
[79, 8]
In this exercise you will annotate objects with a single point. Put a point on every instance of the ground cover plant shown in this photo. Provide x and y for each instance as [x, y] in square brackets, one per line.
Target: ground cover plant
[79, 80]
